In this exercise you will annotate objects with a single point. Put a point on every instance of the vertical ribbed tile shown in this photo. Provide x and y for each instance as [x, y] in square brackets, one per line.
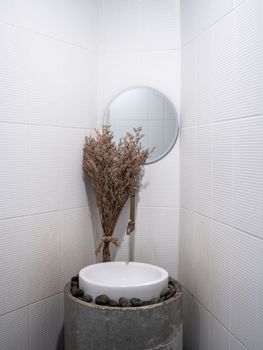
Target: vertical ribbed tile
[222, 7]
[160, 184]
[247, 290]
[44, 145]
[248, 175]
[219, 336]
[155, 227]
[45, 324]
[222, 171]
[188, 20]
[188, 151]
[188, 85]
[186, 249]
[77, 242]
[44, 255]
[14, 330]
[221, 271]
[121, 24]
[234, 344]
[203, 14]
[249, 61]
[72, 186]
[14, 264]
[160, 25]
[202, 260]
[224, 68]
[203, 170]
[196, 324]
[14, 170]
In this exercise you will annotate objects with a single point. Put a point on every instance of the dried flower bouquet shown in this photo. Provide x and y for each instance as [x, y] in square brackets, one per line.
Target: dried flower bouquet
[114, 170]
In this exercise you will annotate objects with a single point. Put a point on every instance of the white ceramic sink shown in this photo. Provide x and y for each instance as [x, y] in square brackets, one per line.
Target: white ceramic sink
[121, 279]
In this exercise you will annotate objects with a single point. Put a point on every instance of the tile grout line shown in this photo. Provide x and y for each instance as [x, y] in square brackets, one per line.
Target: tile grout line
[222, 223]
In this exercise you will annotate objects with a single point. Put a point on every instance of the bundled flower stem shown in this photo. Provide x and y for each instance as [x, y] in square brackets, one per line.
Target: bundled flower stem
[114, 170]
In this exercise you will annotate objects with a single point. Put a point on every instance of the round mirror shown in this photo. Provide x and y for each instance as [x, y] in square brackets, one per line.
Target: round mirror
[149, 109]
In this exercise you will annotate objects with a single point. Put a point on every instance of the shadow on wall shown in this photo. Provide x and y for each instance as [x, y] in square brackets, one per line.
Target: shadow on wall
[60, 343]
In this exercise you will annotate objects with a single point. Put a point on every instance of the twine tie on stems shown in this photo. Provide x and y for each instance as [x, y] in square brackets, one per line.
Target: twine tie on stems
[109, 239]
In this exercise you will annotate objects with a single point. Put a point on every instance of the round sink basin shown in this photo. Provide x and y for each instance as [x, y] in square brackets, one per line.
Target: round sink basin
[121, 279]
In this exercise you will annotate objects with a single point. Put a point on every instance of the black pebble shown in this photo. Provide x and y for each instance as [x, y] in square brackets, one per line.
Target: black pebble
[102, 300]
[155, 300]
[74, 284]
[147, 303]
[123, 302]
[113, 303]
[76, 292]
[87, 298]
[136, 302]
[173, 283]
[165, 292]
[75, 279]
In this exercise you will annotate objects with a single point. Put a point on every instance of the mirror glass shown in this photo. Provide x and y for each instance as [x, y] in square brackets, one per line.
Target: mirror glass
[147, 108]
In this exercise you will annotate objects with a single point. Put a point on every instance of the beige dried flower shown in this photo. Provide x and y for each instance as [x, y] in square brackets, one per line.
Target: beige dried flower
[114, 170]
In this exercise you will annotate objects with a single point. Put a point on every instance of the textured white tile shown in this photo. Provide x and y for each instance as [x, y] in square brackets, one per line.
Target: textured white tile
[248, 175]
[14, 77]
[221, 8]
[78, 22]
[188, 86]
[44, 145]
[203, 14]
[247, 290]
[219, 336]
[203, 170]
[234, 344]
[160, 69]
[72, 186]
[42, 89]
[44, 255]
[204, 84]
[160, 184]
[14, 264]
[187, 167]
[221, 271]
[222, 172]
[77, 87]
[154, 228]
[14, 330]
[202, 260]
[186, 249]
[249, 31]
[45, 324]
[196, 325]
[77, 242]
[188, 20]
[14, 170]
[160, 24]
[224, 68]
[121, 25]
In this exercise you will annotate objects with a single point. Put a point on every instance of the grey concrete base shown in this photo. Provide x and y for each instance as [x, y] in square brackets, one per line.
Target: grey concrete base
[94, 327]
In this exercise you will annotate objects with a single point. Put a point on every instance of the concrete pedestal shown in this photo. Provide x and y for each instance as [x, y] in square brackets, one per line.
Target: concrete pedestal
[94, 327]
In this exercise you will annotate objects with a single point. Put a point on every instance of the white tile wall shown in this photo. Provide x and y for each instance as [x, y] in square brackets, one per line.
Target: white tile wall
[14, 330]
[145, 52]
[48, 78]
[220, 261]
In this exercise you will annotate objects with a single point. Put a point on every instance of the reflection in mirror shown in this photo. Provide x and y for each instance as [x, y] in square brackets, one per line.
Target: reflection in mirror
[147, 108]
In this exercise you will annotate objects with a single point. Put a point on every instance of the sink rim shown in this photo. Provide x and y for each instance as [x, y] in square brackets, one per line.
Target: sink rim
[164, 274]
